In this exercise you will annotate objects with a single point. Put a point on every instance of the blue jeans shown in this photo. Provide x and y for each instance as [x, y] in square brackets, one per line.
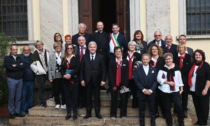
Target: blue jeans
[27, 96]
[15, 91]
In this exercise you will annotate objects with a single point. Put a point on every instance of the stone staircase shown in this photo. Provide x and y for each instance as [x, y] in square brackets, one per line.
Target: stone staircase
[39, 116]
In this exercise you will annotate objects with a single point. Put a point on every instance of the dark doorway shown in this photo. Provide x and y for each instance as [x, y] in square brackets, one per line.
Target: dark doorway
[104, 10]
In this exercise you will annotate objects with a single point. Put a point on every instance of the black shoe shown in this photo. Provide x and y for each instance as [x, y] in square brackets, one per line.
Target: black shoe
[12, 116]
[157, 115]
[99, 116]
[19, 115]
[185, 114]
[86, 117]
[68, 116]
[74, 117]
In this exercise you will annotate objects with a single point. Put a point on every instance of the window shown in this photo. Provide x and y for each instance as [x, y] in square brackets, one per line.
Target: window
[198, 17]
[13, 18]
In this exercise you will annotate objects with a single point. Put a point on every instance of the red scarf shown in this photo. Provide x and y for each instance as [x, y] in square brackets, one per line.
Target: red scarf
[68, 67]
[181, 58]
[130, 70]
[118, 74]
[190, 75]
[170, 77]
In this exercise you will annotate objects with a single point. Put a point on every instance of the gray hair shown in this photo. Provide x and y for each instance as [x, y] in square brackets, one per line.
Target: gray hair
[82, 24]
[92, 43]
[168, 54]
[146, 54]
[158, 31]
[131, 42]
[38, 42]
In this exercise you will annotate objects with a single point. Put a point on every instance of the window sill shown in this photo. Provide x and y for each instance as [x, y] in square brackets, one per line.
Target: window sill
[198, 37]
[25, 42]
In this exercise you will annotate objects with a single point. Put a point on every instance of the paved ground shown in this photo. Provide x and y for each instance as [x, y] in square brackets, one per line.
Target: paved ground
[4, 122]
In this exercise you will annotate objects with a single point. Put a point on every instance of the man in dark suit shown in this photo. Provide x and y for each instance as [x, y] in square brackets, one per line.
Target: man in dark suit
[183, 40]
[82, 30]
[158, 40]
[170, 47]
[118, 78]
[145, 80]
[101, 39]
[81, 50]
[116, 39]
[92, 75]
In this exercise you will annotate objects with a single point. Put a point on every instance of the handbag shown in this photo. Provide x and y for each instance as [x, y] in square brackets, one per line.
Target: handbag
[37, 68]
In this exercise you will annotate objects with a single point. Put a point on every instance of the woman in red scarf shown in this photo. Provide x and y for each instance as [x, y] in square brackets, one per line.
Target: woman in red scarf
[118, 78]
[183, 61]
[171, 87]
[70, 69]
[132, 57]
[199, 82]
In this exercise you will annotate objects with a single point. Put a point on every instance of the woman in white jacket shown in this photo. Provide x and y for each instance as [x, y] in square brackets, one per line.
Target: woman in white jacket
[171, 87]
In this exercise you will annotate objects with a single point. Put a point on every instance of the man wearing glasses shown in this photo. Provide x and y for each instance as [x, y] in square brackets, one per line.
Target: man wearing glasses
[158, 40]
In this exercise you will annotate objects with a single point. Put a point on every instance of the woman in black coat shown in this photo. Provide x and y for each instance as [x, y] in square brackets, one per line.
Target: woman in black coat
[141, 45]
[70, 71]
[183, 61]
[157, 61]
[132, 57]
[199, 82]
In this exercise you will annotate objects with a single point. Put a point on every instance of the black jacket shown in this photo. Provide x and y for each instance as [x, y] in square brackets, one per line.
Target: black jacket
[74, 65]
[112, 72]
[14, 72]
[186, 67]
[93, 69]
[203, 74]
[137, 57]
[160, 63]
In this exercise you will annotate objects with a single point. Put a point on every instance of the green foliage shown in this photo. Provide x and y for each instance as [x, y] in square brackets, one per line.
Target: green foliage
[5, 43]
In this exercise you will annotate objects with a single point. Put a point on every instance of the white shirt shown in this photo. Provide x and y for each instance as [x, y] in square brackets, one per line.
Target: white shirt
[194, 79]
[15, 57]
[158, 42]
[166, 87]
[94, 55]
[84, 49]
[146, 69]
[130, 57]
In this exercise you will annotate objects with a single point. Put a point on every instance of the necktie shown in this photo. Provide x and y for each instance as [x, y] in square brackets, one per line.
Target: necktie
[81, 53]
[92, 58]
[168, 49]
[130, 72]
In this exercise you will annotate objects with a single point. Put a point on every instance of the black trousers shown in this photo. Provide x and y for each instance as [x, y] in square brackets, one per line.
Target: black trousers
[174, 97]
[59, 89]
[71, 94]
[114, 103]
[94, 89]
[41, 79]
[133, 88]
[151, 101]
[201, 104]
[81, 93]
[159, 102]
[185, 97]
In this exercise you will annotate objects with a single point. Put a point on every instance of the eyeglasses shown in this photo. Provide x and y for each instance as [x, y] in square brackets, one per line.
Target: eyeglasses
[157, 35]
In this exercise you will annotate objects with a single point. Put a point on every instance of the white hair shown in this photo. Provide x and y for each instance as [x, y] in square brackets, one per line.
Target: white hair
[157, 31]
[82, 24]
[92, 43]
[131, 42]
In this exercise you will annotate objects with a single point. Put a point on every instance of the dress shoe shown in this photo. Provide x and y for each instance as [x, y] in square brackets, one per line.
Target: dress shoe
[185, 114]
[157, 115]
[102, 88]
[12, 116]
[43, 105]
[86, 117]
[74, 117]
[68, 116]
[19, 115]
[99, 116]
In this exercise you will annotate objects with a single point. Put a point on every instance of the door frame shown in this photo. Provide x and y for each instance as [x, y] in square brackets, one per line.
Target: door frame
[135, 22]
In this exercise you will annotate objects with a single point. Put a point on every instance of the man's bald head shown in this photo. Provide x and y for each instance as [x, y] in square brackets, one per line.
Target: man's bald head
[26, 50]
[169, 40]
[81, 41]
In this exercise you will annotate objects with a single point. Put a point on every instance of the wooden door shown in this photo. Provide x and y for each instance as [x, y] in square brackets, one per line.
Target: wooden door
[121, 15]
[85, 14]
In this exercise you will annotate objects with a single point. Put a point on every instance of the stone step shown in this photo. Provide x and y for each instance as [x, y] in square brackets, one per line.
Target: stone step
[105, 102]
[58, 121]
[105, 112]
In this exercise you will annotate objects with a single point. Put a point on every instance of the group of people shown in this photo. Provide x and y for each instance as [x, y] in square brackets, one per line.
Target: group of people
[159, 72]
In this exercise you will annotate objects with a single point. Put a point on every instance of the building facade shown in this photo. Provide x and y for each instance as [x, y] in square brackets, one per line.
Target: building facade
[30, 20]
